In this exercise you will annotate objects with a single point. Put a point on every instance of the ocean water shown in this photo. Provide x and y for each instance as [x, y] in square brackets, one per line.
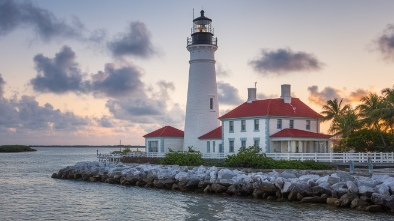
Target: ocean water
[27, 192]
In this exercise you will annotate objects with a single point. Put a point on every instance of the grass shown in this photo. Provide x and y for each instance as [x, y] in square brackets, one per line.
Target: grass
[15, 148]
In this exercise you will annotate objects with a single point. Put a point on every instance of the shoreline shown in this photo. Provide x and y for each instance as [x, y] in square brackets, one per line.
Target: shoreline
[340, 189]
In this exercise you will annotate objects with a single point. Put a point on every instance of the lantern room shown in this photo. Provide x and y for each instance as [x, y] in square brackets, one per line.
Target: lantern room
[202, 31]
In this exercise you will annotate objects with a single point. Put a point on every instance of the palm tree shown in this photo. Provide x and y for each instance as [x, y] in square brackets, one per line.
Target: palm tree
[387, 111]
[345, 123]
[370, 112]
[331, 111]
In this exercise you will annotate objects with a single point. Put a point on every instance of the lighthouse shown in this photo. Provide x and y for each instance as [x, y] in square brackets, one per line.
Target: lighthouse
[202, 109]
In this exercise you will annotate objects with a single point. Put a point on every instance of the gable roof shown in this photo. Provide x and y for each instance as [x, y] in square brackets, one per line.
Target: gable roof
[214, 134]
[273, 107]
[288, 132]
[166, 131]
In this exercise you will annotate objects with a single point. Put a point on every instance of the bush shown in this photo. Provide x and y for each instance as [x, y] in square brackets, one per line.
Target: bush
[189, 158]
[250, 157]
[126, 150]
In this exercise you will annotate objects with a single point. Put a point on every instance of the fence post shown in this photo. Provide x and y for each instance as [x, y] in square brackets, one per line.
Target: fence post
[370, 166]
[315, 157]
[351, 167]
[330, 156]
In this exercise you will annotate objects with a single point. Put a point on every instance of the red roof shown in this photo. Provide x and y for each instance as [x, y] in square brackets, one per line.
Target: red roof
[214, 134]
[299, 133]
[166, 131]
[273, 107]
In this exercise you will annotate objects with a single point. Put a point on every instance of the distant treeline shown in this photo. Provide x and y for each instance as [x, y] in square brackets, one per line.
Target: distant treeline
[15, 148]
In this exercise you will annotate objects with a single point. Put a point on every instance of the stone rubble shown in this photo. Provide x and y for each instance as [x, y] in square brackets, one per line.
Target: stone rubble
[340, 189]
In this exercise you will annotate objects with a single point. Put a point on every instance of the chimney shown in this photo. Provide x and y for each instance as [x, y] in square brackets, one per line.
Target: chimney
[251, 95]
[285, 90]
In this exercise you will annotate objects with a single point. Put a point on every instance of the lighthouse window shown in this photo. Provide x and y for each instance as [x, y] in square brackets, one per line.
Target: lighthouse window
[211, 103]
[208, 147]
[291, 124]
[308, 124]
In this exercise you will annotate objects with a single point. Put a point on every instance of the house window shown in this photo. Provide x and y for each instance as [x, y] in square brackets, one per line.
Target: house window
[213, 146]
[256, 125]
[256, 142]
[221, 150]
[243, 143]
[231, 146]
[211, 103]
[243, 125]
[308, 125]
[153, 146]
[208, 147]
[279, 124]
[231, 127]
[291, 124]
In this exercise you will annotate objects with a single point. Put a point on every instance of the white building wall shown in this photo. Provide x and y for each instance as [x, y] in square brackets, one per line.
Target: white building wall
[175, 144]
[249, 134]
[213, 145]
[165, 143]
[200, 118]
[299, 123]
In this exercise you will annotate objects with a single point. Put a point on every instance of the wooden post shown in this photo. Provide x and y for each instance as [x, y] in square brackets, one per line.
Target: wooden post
[370, 166]
[351, 167]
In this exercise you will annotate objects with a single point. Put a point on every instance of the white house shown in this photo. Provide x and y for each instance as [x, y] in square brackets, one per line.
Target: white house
[282, 124]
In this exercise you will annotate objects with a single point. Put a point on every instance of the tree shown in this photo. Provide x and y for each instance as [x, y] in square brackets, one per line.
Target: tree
[387, 112]
[332, 111]
[370, 112]
[346, 123]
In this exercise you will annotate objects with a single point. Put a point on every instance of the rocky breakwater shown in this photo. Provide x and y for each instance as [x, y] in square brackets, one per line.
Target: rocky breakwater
[338, 189]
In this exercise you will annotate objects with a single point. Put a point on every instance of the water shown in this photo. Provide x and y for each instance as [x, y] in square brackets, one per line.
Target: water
[28, 193]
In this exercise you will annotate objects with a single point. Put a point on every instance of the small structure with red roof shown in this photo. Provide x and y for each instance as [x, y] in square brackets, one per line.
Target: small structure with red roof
[163, 139]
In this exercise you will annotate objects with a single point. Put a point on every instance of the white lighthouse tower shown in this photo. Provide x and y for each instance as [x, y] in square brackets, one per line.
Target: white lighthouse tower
[202, 109]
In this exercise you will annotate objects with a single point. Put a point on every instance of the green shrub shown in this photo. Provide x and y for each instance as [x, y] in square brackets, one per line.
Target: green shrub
[126, 150]
[250, 157]
[189, 158]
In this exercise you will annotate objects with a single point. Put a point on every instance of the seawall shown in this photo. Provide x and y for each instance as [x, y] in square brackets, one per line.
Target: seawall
[340, 189]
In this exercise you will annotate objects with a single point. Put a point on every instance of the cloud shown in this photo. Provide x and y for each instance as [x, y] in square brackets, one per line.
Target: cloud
[153, 107]
[116, 82]
[355, 96]
[385, 43]
[25, 114]
[105, 121]
[14, 15]
[282, 61]
[2, 84]
[321, 98]
[228, 94]
[221, 72]
[58, 75]
[136, 41]
[62, 74]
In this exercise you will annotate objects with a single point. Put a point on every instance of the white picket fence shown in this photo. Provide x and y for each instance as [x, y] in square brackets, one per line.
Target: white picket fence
[318, 157]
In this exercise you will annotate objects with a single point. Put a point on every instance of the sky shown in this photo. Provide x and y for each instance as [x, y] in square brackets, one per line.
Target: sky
[96, 72]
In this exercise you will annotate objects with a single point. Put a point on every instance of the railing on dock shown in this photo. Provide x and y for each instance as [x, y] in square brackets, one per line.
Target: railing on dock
[318, 157]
